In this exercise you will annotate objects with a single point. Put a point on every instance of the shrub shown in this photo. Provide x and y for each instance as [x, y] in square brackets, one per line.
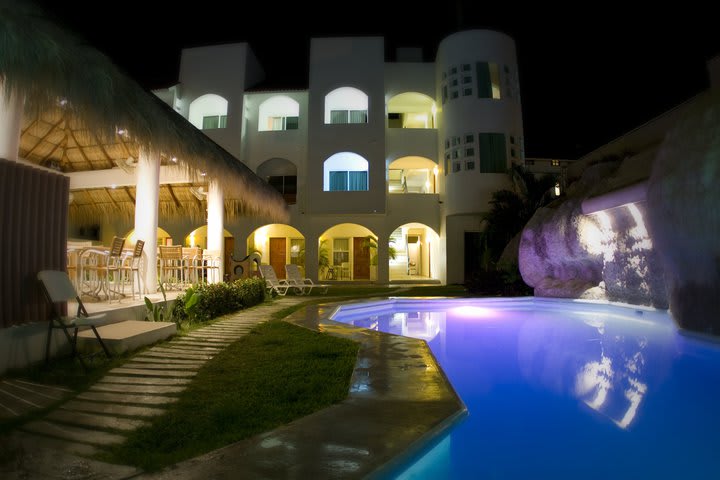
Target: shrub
[205, 302]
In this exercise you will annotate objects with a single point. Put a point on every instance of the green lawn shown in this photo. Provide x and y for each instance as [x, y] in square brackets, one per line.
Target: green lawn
[277, 373]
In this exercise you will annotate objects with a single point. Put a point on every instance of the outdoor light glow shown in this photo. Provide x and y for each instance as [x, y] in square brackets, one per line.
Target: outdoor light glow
[63, 102]
[471, 311]
[639, 232]
[113, 186]
[435, 170]
[192, 239]
[557, 189]
[202, 174]
[174, 159]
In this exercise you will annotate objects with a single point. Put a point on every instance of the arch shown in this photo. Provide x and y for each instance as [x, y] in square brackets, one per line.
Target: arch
[416, 248]
[346, 253]
[411, 110]
[281, 174]
[162, 237]
[345, 171]
[412, 174]
[346, 105]
[208, 111]
[198, 237]
[279, 112]
[278, 244]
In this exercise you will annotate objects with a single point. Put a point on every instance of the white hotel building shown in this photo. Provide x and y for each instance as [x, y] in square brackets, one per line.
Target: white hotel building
[407, 152]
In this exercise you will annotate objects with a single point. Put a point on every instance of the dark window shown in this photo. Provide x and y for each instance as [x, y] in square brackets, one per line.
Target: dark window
[454, 94]
[493, 153]
[292, 123]
[469, 165]
[484, 84]
[467, 79]
[453, 70]
[285, 184]
[467, 92]
[469, 138]
[444, 94]
[469, 152]
[456, 167]
[466, 67]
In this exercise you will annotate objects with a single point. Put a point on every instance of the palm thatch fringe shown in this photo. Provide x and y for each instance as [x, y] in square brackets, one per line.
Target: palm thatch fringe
[52, 67]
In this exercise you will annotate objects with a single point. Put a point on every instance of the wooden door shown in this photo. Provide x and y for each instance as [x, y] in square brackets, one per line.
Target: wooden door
[278, 255]
[229, 248]
[361, 259]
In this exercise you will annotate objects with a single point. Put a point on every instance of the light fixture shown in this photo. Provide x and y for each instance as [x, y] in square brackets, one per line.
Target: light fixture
[557, 189]
[435, 170]
[174, 159]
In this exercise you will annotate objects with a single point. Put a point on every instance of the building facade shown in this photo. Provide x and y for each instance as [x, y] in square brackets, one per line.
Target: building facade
[387, 166]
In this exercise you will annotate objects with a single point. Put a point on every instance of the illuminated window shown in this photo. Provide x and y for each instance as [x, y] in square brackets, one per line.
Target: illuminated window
[297, 251]
[555, 163]
[488, 80]
[345, 171]
[346, 105]
[278, 113]
[411, 110]
[341, 251]
[208, 112]
[493, 153]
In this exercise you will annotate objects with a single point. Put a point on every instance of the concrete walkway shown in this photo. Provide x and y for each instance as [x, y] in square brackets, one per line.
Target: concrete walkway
[123, 400]
[399, 399]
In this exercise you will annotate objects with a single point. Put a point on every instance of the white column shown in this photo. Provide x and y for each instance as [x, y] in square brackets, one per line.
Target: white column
[10, 123]
[216, 227]
[146, 213]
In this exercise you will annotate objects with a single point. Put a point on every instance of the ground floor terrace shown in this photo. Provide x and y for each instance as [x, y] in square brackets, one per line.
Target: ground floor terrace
[343, 252]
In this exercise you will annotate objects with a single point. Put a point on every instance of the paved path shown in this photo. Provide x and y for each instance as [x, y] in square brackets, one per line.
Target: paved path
[129, 396]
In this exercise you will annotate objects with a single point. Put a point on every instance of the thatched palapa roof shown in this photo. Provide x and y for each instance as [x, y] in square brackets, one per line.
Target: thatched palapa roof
[83, 113]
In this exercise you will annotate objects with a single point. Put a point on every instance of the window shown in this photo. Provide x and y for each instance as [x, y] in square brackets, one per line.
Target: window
[467, 92]
[555, 163]
[469, 152]
[455, 154]
[285, 184]
[341, 251]
[345, 172]
[444, 94]
[469, 138]
[346, 105]
[278, 113]
[456, 167]
[467, 80]
[208, 111]
[454, 94]
[214, 121]
[512, 140]
[447, 161]
[454, 82]
[470, 165]
[453, 70]
[488, 80]
[512, 152]
[447, 143]
[493, 153]
[466, 67]
[297, 251]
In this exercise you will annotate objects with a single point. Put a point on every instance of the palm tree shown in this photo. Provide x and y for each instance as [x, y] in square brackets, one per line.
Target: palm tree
[512, 209]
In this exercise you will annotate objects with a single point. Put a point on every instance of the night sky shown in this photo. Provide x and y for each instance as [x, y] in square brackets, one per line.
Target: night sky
[586, 76]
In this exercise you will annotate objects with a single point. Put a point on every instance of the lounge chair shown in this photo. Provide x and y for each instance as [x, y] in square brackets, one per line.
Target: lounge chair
[58, 289]
[295, 278]
[272, 283]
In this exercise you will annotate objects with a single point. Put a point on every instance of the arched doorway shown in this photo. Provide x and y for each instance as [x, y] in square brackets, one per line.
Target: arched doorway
[278, 244]
[346, 252]
[414, 253]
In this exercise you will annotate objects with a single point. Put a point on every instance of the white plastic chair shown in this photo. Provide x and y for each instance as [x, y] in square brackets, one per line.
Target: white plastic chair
[295, 278]
[272, 283]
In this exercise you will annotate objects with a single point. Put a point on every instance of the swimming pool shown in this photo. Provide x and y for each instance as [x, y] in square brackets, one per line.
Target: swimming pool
[562, 389]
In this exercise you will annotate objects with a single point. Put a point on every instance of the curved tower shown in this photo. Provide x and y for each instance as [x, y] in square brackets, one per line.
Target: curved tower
[480, 132]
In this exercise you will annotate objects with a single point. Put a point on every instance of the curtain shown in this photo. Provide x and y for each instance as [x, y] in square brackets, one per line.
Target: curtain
[358, 116]
[483, 80]
[33, 214]
[358, 181]
[493, 153]
[338, 181]
[338, 116]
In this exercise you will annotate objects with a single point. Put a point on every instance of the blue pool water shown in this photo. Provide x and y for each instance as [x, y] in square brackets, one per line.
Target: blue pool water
[563, 389]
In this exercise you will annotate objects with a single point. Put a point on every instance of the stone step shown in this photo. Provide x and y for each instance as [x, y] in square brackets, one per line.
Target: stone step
[62, 415]
[117, 397]
[140, 389]
[159, 366]
[112, 409]
[169, 353]
[198, 348]
[145, 380]
[152, 372]
[170, 361]
[75, 434]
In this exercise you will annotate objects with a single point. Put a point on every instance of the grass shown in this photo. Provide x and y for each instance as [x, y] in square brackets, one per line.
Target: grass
[277, 373]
